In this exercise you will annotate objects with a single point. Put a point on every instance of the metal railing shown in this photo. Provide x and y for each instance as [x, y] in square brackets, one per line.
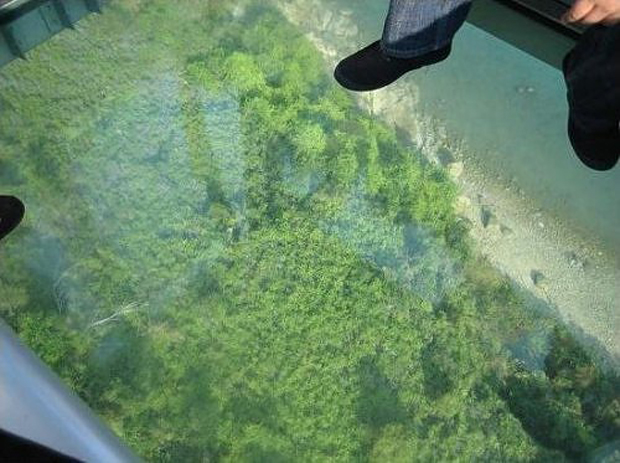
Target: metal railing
[35, 404]
[24, 24]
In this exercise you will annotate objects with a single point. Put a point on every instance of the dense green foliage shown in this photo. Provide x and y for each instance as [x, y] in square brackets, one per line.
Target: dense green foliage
[228, 261]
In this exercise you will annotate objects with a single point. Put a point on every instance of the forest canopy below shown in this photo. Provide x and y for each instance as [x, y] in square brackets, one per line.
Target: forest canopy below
[229, 261]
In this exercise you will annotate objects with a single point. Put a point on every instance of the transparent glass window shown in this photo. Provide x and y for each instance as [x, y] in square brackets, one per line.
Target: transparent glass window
[230, 258]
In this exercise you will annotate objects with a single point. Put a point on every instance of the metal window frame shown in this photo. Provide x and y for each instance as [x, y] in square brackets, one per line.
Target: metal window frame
[548, 11]
[25, 24]
[534, 26]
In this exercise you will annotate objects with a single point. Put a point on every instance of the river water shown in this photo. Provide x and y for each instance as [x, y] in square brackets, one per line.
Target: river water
[510, 111]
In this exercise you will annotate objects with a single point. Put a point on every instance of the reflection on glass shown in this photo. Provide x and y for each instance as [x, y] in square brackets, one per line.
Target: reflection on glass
[229, 260]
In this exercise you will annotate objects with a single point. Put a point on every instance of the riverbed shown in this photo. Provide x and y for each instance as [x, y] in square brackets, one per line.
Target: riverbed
[494, 117]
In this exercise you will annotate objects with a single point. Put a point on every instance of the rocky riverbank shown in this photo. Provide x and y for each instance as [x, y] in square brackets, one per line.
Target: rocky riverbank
[543, 255]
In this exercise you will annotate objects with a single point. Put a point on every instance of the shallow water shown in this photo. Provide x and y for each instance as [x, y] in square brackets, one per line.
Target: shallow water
[510, 110]
[512, 113]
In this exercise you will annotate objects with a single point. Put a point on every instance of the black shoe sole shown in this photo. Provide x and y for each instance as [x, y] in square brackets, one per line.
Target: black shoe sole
[349, 85]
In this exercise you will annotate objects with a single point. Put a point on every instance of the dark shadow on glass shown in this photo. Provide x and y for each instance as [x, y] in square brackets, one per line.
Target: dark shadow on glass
[15, 448]
[11, 214]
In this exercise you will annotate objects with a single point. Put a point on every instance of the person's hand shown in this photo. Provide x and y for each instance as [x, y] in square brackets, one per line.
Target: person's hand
[594, 12]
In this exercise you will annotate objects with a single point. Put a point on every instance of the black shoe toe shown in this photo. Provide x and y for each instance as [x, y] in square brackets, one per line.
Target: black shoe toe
[599, 151]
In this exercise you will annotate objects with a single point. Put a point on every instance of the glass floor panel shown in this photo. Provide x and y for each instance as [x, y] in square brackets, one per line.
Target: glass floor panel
[229, 258]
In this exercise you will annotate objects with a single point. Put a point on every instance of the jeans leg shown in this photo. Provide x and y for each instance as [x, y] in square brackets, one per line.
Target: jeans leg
[592, 73]
[416, 27]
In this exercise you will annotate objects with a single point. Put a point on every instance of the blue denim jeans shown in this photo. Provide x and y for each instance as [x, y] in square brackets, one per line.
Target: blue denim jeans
[416, 27]
[592, 69]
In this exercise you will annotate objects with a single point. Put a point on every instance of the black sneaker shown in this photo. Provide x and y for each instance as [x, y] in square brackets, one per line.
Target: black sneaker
[371, 69]
[592, 75]
[11, 214]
